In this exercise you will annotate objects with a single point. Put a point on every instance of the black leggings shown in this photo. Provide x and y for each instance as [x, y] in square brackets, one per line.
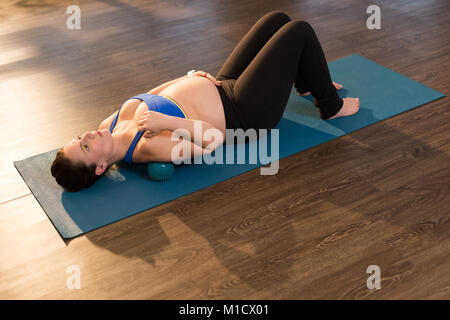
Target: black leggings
[258, 75]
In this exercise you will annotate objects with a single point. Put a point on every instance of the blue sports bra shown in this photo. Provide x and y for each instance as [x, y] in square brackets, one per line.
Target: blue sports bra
[156, 103]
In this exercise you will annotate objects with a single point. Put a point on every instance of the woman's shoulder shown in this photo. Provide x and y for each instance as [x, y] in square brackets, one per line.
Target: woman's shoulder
[127, 111]
[106, 124]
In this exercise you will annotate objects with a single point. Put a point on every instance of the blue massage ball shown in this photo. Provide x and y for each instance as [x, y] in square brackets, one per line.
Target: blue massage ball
[160, 171]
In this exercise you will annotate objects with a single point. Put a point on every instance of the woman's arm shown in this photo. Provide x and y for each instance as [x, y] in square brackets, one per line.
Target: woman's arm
[155, 122]
[163, 148]
[190, 125]
[161, 87]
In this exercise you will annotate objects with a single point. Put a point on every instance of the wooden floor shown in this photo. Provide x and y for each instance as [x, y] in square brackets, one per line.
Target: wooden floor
[378, 196]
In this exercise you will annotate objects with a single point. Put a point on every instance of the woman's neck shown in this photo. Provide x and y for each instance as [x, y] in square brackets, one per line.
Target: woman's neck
[122, 138]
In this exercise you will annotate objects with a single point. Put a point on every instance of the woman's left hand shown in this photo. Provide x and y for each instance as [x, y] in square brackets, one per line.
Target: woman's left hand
[153, 122]
[207, 75]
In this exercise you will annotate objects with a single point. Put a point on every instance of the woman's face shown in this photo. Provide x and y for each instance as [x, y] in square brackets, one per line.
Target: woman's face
[91, 147]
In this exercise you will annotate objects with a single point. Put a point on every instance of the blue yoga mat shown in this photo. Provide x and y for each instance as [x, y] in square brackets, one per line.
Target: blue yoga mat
[121, 193]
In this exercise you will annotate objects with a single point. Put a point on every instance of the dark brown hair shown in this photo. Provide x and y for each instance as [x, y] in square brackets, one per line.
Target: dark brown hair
[73, 176]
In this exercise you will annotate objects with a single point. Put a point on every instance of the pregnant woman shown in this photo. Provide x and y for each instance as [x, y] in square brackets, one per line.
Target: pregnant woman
[251, 90]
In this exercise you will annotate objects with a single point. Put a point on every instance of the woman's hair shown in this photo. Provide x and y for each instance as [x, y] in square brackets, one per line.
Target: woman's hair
[73, 176]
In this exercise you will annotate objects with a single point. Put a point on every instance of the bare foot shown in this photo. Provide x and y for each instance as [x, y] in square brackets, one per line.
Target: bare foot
[336, 85]
[350, 106]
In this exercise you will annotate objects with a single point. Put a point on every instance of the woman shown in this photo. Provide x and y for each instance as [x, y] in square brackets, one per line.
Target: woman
[251, 91]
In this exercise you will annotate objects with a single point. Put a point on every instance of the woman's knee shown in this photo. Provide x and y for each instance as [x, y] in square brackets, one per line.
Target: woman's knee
[298, 28]
[278, 17]
[301, 25]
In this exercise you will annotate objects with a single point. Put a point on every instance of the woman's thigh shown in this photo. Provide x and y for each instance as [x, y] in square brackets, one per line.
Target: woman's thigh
[249, 46]
[262, 90]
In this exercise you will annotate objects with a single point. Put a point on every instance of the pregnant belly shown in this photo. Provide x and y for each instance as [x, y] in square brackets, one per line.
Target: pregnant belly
[200, 100]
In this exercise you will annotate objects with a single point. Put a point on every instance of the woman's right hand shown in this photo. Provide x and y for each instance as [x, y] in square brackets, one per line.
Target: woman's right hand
[207, 75]
[152, 122]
